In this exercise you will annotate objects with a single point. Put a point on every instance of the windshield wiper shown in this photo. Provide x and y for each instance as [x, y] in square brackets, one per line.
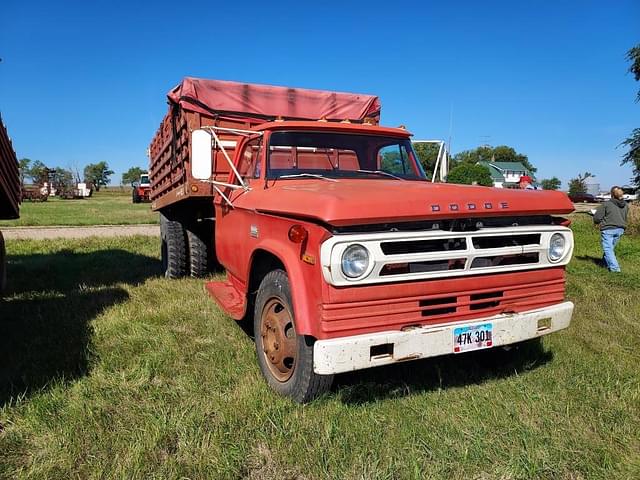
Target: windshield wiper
[311, 175]
[380, 172]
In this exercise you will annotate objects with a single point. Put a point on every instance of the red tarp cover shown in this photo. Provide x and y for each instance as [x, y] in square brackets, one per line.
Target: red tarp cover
[265, 101]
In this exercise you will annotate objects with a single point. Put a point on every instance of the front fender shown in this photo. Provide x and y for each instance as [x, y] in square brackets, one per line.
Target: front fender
[305, 279]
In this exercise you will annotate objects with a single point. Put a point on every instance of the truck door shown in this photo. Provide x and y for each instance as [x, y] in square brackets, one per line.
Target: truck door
[233, 224]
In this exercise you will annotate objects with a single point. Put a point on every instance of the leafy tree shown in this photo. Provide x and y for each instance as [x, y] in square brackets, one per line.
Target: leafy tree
[632, 156]
[486, 153]
[98, 174]
[469, 174]
[23, 165]
[633, 56]
[62, 180]
[132, 175]
[427, 154]
[38, 172]
[578, 184]
[552, 183]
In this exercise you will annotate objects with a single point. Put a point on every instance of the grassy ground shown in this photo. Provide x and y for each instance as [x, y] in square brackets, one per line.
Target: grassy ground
[115, 372]
[106, 207]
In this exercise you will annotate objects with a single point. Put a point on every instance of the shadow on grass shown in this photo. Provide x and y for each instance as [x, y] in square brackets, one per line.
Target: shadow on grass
[45, 316]
[598, 261]
[405, 379]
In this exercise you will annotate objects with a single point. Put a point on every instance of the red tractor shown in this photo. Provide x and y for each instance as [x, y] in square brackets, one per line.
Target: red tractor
[141, 189]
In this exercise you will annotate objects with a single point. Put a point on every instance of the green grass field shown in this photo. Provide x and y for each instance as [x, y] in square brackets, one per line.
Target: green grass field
[109, 371]
[112, 206]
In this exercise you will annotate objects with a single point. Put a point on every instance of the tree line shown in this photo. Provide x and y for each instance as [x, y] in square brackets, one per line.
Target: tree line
[96, 174]
[464, 167]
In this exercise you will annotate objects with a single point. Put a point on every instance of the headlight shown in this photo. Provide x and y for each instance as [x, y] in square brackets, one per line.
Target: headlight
[355, 261]
[557, 246]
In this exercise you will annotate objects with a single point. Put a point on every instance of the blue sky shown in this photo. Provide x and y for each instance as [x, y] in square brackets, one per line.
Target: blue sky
[86, 81]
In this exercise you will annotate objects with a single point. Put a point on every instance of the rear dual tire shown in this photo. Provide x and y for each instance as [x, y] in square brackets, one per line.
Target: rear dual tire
[186, 250]
[174, 247]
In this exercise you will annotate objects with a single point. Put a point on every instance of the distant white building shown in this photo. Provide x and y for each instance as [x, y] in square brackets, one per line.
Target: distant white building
[506, 174]
[593, 185]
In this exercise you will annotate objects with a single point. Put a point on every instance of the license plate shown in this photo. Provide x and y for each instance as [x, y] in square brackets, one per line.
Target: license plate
[474, 337]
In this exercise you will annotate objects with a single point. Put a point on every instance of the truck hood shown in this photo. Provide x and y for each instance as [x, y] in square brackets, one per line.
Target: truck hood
[367, 201]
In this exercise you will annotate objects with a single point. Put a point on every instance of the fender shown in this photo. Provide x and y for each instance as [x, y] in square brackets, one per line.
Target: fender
[305, 279]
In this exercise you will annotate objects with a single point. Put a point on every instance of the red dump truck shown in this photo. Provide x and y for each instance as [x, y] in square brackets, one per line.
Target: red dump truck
[337, 250]
[9, 193]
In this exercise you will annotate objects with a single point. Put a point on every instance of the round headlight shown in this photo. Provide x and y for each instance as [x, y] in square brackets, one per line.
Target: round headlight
[557, 246]
[355, 261]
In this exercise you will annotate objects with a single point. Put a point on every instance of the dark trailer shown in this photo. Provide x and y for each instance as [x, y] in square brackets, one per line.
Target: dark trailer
[9, 192]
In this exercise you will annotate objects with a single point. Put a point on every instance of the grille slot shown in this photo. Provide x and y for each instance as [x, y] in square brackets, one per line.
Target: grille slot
[506, 241]
[442, 306]
[423, 246]
[492, 300]
[421, 267]
[505, 260]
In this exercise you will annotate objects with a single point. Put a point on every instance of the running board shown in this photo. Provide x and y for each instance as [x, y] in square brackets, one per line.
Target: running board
[230, 300]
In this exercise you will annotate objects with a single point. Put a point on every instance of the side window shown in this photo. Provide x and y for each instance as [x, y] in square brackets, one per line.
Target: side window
[393, 159]
[250, 162]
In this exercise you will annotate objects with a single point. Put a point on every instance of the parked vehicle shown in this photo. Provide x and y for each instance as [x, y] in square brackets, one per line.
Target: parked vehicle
[583, 198]
[630, 194]
[337, 250]
[141, 189]
[84, 190]
[34, 193]
[9, 193]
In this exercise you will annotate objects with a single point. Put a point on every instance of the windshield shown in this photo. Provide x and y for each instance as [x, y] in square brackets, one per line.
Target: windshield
[144, 179]
[338, 155]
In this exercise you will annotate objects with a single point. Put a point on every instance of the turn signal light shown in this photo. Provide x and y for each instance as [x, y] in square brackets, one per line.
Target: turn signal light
[298, 234]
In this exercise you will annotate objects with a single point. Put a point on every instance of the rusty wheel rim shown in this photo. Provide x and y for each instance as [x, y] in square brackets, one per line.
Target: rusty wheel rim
[278, 339]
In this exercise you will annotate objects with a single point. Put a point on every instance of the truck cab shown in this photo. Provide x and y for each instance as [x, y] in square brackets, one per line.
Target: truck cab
[342, 256]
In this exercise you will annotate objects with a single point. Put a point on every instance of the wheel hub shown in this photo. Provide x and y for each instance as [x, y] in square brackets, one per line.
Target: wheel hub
[278, 339]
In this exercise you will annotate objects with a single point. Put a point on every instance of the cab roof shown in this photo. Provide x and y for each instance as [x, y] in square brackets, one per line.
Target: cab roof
[334, 127]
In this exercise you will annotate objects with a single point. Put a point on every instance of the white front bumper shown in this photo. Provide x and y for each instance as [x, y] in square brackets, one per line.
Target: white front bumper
[355, 353]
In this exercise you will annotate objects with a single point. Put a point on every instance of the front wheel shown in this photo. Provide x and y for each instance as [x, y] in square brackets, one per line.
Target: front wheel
[285, 358]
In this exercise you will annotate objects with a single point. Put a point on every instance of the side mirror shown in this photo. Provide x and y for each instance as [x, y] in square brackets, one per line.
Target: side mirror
[201, 165]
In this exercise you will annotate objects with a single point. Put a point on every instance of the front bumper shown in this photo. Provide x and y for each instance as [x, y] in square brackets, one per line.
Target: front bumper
[345, 354]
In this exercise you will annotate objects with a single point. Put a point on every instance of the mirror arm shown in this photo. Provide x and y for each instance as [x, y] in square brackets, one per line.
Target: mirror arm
[224, 184]
[224, 197]
[229, 161]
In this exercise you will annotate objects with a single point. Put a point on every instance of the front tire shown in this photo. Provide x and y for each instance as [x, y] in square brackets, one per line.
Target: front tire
[174, 247]
[285, 358]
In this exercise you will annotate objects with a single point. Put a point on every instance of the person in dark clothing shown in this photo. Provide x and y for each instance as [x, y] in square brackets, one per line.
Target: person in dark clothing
[611, 217]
